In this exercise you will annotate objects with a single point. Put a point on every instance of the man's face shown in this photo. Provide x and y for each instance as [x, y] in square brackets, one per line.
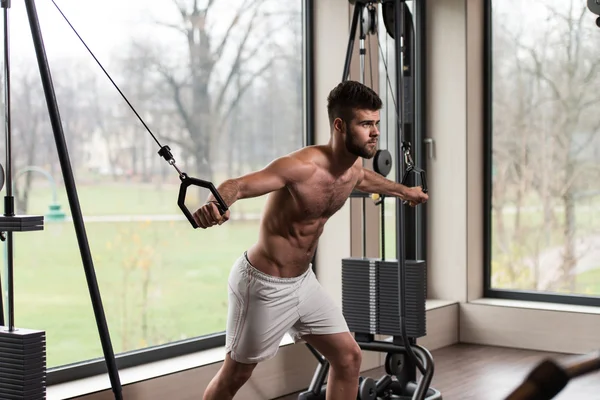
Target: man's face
[363, 133]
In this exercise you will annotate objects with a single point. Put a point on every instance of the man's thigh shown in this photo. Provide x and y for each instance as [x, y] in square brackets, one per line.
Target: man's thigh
[259, 315]
[319, 314]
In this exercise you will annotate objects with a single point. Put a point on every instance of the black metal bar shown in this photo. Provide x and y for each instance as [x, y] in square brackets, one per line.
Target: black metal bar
[420, 120]
[319, 378]
[487, 148]
[358, 7]
[309, 68]
[411, 134]
[428, 365]
[382, 205]
[309, 81]
[399, 27]
[400, 167]
[71, 189]
[9, 201]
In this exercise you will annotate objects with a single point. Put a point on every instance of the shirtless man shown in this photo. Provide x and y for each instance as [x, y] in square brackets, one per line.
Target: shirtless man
[272, 288]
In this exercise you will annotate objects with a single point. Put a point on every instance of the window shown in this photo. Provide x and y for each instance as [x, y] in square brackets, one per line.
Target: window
[223, 85]
[543, 149]
[414, 127]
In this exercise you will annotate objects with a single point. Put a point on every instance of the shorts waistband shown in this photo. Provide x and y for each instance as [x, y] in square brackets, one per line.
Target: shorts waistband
[251, 269]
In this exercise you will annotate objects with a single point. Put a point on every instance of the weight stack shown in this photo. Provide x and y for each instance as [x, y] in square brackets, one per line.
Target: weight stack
[22, 364]
[359, 294]
[370, 296]
[415, 298]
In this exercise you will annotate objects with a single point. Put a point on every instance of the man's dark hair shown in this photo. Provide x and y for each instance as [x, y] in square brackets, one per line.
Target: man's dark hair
[348, 96]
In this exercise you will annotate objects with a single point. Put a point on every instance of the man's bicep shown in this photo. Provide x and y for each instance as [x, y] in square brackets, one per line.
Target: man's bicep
[276, 175]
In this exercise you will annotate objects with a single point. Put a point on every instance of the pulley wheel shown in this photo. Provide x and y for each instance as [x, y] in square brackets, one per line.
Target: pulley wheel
[389, 17]
[393, 362]
[367, 390]
[369, 20]
[382, 162]
[1, 177]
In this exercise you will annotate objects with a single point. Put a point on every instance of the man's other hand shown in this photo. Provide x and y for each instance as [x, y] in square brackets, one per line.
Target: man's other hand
[416, 196]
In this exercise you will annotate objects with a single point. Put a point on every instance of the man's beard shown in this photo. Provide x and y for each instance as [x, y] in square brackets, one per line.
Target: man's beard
[361, 151]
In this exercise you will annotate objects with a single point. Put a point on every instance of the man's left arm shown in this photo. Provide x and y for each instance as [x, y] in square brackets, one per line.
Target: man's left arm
[371, 182]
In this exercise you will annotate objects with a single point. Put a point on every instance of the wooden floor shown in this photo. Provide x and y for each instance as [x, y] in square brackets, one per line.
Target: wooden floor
[471, 372]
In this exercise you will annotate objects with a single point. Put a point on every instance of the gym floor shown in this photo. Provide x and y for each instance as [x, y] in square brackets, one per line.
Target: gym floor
[472, 372]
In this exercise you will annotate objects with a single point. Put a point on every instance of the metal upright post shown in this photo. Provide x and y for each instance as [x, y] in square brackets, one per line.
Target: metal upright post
[71, 190]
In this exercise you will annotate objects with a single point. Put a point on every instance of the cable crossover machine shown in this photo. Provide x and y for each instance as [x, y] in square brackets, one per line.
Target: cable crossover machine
[381, 296]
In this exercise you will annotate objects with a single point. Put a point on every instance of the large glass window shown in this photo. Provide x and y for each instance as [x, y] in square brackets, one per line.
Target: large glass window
[544, 151]
[220, 82]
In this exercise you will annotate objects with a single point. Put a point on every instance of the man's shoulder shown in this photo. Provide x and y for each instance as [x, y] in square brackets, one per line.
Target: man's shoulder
[299, 165]
[310, 154]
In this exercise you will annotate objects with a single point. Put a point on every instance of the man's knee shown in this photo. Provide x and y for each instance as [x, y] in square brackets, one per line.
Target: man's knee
[347, 361]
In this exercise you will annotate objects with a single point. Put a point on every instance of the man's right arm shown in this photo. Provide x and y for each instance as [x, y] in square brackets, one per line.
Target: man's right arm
[278, 174]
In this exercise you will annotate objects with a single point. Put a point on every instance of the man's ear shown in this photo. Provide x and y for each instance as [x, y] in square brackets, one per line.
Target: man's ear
[338, 125]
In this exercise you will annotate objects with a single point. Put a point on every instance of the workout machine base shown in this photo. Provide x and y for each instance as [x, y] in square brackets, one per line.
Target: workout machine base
[22, 364]
[368, 386]
[399, 383]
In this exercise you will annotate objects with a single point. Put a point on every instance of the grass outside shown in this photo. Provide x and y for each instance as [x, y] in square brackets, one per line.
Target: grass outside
[129, 199]
[160, 281]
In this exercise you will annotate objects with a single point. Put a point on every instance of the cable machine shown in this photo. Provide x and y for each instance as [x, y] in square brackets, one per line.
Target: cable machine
[379, 296]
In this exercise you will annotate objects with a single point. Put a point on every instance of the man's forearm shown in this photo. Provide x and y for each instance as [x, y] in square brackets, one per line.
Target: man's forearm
[229, 191]
[375, 183]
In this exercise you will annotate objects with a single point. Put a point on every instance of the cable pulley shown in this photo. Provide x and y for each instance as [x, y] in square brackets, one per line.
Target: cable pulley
[165, 151]
[382, 162]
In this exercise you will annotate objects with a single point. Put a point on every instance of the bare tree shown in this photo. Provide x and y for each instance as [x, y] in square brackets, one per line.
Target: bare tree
[218, 70]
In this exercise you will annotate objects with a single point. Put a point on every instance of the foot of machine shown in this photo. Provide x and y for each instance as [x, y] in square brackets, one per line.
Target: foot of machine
[386, 388]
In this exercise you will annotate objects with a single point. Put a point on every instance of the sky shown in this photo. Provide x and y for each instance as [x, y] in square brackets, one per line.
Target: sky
[106, 26]
[102, 24]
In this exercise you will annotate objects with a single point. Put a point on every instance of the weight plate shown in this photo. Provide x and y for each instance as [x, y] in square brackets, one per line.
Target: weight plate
[393, 363]
[367, 389]
[382, 162]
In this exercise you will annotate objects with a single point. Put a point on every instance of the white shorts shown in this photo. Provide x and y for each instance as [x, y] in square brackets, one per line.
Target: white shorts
[263, 308]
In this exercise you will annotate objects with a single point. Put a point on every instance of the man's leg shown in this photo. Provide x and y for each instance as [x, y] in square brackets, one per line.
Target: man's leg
[344, 356]
[261, 310]
[322, 325]
[230, 378]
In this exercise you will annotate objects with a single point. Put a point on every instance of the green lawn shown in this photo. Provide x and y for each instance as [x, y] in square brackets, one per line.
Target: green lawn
[129, 199]
[160, 281]
[588, 282]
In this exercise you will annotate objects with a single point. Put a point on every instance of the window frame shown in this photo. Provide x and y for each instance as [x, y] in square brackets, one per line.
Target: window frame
[489, 291]
[135, 358]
